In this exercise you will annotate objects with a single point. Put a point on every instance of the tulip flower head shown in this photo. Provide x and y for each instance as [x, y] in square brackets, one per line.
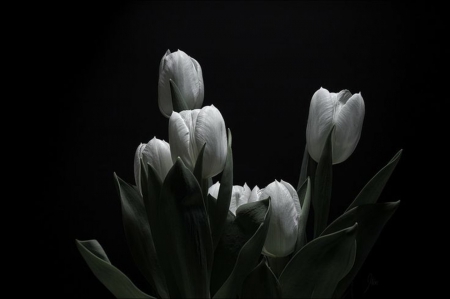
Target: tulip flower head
[342, 110]
[283, 227]
[189, 130]
[156, 153]
[187, 74]
[240, 195]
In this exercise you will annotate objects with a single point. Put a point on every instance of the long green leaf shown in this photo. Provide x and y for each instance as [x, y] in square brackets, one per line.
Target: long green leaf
[111, 277]
[261, 283]
[139, 235]
[372, 190]
[371, 220]
[224, 197]
[304, 168]
[183, 237]
[251, 251]
[316, 269]
[178, 102]
[304, 194]
[322, 187]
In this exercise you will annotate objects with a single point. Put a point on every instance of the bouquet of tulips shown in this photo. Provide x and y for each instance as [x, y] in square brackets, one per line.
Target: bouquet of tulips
[195, 238]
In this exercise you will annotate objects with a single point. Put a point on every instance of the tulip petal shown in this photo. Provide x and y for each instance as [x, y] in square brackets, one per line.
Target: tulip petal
[348, 121]
[164, 95]
[210, 129]
[255, 194]
[294, 195]
[199, 94]
[320, 121]
[239, 196]
[180, 127]
[157, 154]
[214, 190]
[282, 233]
[184, 74]
[137, 165]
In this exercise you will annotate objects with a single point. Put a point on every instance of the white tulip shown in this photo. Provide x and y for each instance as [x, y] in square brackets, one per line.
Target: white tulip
[187, 74]
[283, 226]
[189, 130]
[156, 153]
[342, 110]
[239, 195]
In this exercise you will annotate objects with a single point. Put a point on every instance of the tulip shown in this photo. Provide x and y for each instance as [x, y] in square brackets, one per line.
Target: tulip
[187, 74]
[156, 153]
[283, 227]
[239, 195]
[342, 110]
[189, 130]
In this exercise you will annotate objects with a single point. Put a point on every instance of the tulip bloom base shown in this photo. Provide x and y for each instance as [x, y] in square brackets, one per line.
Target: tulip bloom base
[191, 238]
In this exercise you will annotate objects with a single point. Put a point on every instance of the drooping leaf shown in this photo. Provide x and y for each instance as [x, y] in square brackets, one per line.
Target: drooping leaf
[322, 188]
[224, 197]
[316, 269]
[139, 235]
[261, 283]
[371, 220]
[178, 102]
[250, 217]
[183, 237]
[111, 277]
[372, 190]
[304, 194]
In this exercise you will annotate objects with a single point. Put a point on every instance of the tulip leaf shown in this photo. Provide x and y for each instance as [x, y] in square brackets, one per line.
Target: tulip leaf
[183, 237]
[139, 235]
[304, 168]
[317, 268]
[111, 277]
[224, 197]
[261, 283]
[322, 187]
[178, 102]
[151, 189]
[372, 190]
[371, 219]
[304, 194]
[250, 217]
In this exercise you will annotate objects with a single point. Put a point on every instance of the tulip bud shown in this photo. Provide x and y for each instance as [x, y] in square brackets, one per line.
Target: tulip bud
[239, 195]
[342, 110]
[156, 153]
[283, 226]
[189, 130]
[187, 74]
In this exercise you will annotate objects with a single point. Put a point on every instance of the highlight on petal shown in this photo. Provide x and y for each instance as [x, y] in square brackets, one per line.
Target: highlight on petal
[214, 190]
[157, 154]
[294, 196]
[210, 129]
[200, 92]
[349, 123]
[254, 196]
[239, 196]
[282, 233]
[179, 138]
[137, 164]
[320, 121]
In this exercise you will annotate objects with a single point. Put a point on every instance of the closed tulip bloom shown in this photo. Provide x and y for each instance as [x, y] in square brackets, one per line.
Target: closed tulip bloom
[240, 195]
[189, 130]
[342, 110]
[283, 226]
[187, 74]
[156, 153]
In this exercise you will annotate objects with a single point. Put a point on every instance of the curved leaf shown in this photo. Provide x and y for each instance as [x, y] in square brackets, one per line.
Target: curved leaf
[178, 102]
[139, 235]
[111, 277]
[316, 269]
[249, 219]
[261, 283]
[183, 237]
[372, 190]
[304, 194]
[371, 220]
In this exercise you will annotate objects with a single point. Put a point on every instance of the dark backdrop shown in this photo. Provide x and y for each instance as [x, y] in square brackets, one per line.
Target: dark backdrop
[262, 62]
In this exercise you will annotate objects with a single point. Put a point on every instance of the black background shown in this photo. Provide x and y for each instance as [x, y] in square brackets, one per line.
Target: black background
[262, 62]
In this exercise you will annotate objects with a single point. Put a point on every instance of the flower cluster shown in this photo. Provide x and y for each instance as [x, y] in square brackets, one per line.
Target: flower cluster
[193, 237]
